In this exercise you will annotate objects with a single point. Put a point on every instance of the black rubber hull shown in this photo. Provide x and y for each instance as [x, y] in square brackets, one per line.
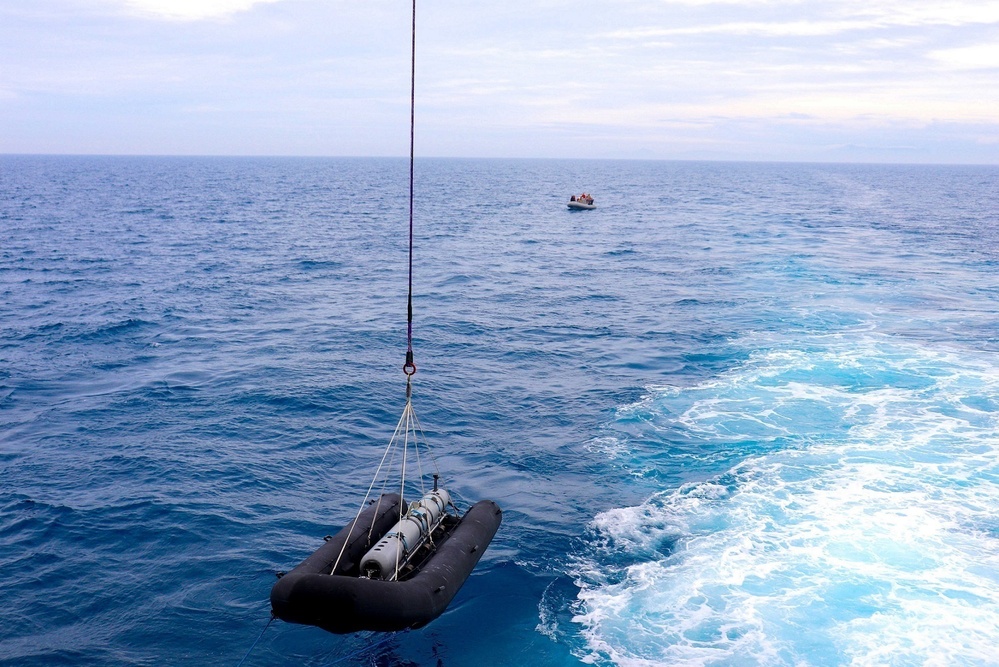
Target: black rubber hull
[343, 602]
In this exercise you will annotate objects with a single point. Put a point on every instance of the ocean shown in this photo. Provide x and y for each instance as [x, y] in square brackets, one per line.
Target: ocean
[739, 414]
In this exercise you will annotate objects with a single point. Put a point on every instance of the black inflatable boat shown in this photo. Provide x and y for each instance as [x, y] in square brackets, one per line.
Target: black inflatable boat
[377, 574]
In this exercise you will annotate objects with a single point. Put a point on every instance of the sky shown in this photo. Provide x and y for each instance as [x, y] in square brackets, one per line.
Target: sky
[910, 81]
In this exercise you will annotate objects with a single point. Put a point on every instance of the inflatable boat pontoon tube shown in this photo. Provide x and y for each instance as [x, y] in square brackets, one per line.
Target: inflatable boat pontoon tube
[348, 601]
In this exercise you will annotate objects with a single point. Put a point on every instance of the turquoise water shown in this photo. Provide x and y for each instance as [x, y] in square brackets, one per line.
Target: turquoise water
[738, 414]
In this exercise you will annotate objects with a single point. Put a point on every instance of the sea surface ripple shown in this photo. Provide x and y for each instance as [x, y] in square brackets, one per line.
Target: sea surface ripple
[739, 414]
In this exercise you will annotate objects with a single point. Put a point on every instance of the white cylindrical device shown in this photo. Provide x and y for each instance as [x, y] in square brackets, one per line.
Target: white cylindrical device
[389, 553]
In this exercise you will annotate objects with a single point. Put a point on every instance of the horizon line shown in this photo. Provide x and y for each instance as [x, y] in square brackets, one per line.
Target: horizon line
[466, 157]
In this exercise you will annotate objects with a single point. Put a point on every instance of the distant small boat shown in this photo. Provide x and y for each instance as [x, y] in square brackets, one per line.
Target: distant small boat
[582, 201]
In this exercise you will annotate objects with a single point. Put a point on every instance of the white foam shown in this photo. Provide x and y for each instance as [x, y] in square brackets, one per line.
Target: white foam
[873, 542]
[611, 446]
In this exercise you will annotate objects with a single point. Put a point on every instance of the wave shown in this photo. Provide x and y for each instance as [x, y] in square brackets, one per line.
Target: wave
[853, 522]
[318, 264]
[113, 330]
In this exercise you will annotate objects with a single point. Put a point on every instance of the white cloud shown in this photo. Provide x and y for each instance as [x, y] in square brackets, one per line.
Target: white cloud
[648, 71]
[193, 10]
[758, 28]
[979, 56]
[793, 18]
[931, 12]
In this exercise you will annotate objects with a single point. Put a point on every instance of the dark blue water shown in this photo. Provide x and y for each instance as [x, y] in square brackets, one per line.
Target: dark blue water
[739, 414]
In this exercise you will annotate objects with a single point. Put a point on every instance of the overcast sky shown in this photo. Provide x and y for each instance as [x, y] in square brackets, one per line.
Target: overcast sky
[823, 80]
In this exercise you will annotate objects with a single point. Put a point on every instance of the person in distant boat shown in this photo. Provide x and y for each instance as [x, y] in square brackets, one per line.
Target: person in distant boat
[572, 198]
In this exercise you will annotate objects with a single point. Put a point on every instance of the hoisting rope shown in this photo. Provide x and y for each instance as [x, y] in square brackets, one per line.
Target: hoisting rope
[409, 425]
[409, 368]
[408, 422]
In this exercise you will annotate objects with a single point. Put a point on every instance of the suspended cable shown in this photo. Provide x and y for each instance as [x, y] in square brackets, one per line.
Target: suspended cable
[388, 449]
[315, 594]
[409, 368]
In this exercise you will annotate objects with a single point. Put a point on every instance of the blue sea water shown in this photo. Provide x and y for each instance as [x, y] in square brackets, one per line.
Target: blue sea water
[740, 414]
